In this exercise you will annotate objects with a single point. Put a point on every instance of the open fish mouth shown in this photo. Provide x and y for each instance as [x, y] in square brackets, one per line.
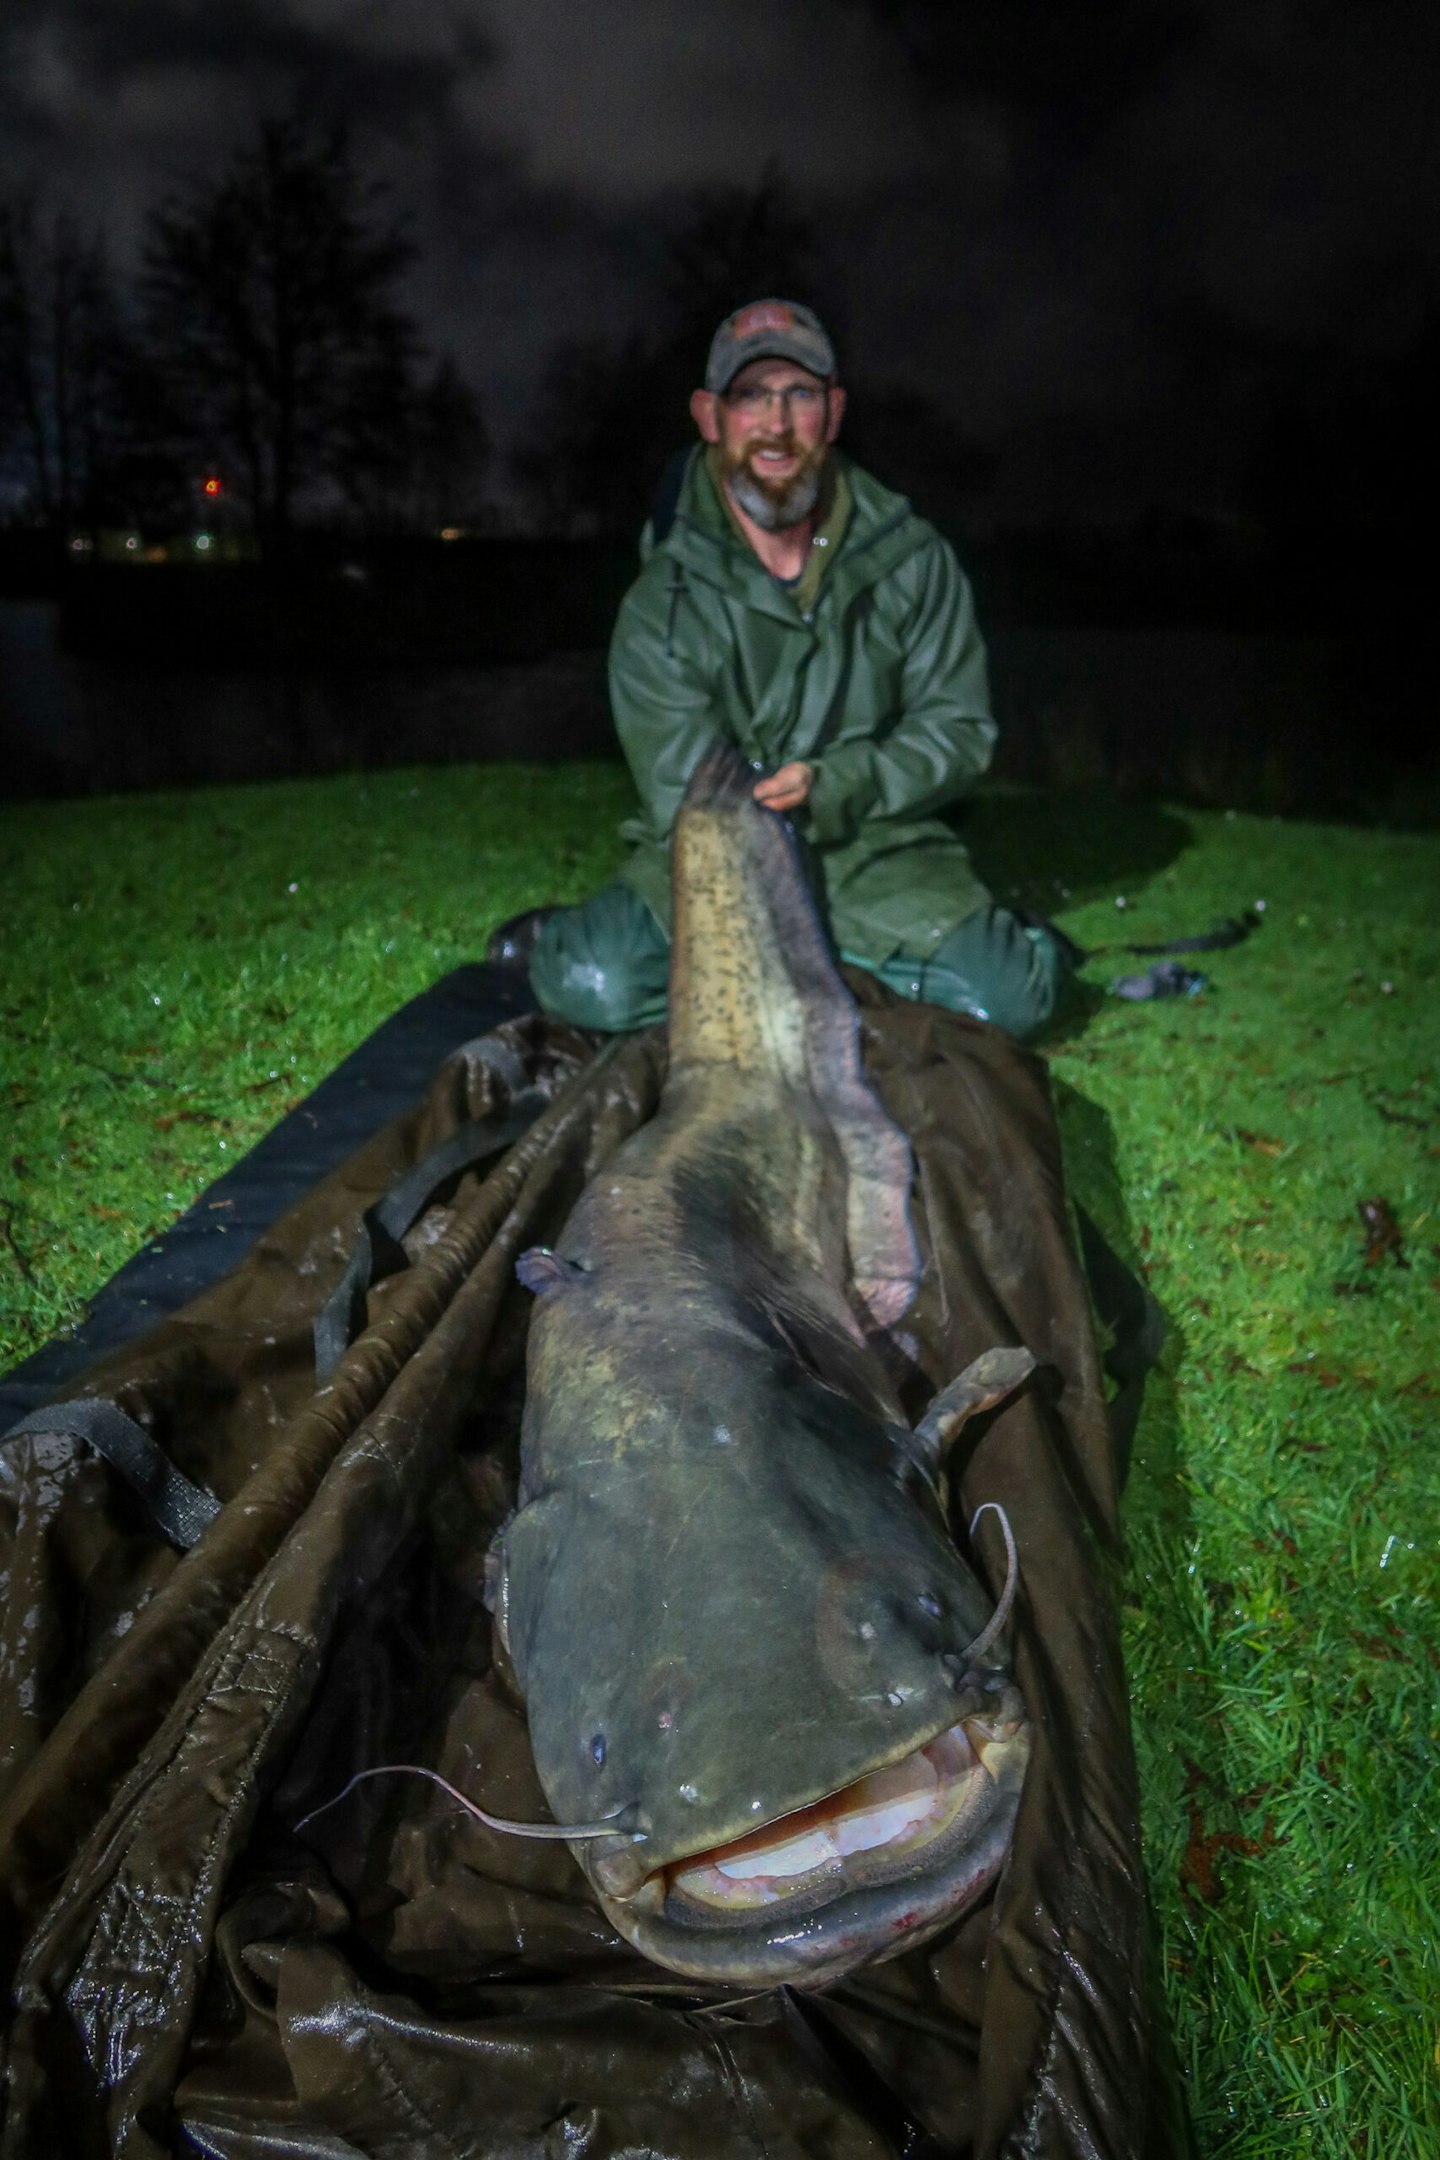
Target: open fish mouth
[859, 1875]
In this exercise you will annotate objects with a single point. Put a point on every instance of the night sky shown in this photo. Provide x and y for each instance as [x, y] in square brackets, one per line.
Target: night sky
[1090, 233]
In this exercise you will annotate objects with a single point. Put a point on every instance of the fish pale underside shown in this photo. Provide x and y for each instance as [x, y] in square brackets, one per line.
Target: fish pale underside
[749, 1649]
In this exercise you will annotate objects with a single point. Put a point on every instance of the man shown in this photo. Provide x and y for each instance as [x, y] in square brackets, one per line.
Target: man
[791, 605]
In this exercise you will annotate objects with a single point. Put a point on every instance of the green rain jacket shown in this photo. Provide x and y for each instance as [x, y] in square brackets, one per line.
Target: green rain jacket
[876, 678]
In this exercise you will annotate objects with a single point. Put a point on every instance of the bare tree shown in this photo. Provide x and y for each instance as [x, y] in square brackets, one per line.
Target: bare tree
[270, 299]
[610, 415]
[603, 425]
[733, 244]
[450, 451]
[414, 449]
[62, 363]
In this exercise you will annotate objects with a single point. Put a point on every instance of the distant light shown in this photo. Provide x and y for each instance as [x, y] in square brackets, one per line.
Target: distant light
[212, 485]
[452, 532]
[131, 541]
[81, 546]
[202, 541]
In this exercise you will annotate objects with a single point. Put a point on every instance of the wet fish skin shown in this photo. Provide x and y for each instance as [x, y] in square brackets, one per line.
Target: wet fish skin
[722, 1597]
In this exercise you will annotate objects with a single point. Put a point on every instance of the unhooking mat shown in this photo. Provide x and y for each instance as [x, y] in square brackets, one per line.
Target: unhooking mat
[188, 1973]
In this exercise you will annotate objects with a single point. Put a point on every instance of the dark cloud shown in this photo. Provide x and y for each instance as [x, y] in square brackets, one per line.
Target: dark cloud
[110, 103]
[1071, 68]
[381, 64]
[623, 100]
[1052, 220]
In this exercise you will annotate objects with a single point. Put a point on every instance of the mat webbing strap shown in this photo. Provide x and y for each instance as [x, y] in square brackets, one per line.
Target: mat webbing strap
[378, 1251]
[182, 1510]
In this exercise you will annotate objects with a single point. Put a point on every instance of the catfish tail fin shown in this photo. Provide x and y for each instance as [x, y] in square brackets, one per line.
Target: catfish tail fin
[721, 781]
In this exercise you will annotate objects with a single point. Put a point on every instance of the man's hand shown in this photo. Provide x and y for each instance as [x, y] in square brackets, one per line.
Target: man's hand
[787, 788]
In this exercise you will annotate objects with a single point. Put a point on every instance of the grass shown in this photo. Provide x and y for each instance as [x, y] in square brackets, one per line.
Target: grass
[1283, 1510]
[180, 969]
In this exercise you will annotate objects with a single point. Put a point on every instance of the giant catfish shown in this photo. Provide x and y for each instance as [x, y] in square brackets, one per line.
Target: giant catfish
[766, 1695]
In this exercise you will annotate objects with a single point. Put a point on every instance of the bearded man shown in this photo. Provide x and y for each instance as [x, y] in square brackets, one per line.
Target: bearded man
[793, 606]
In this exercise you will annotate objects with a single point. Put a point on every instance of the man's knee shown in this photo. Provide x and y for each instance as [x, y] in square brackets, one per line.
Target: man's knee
[604, 964]
[992, 965]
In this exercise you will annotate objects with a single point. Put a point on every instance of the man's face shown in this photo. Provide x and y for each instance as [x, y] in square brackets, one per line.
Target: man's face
[772, 427]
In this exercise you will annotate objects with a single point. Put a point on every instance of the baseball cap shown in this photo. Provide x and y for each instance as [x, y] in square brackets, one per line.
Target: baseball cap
[768, 330]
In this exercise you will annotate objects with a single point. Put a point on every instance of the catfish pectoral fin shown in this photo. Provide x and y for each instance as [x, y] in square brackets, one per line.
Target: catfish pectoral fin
[994, 1375]
[544, 1271]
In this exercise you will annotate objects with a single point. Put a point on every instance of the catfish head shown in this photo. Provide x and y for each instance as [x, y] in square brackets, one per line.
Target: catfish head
[759, 1675]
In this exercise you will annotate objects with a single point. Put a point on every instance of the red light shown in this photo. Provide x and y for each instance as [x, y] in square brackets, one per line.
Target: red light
[212, 485]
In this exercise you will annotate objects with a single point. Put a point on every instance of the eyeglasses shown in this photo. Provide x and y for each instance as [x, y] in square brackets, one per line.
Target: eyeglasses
[756, 398]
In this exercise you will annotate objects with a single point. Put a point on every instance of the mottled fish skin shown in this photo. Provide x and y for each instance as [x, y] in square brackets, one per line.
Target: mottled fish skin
[721, 1593]
[754, 993]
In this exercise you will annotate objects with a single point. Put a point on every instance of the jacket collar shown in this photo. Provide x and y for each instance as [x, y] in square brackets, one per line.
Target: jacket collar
[881, 531]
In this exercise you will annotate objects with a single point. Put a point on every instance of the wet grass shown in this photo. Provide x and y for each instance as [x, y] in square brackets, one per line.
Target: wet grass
[181, 969]
[1283, 1510]
[178, 970]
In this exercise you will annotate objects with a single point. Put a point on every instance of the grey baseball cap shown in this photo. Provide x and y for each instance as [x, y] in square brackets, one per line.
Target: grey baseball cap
[769, 330]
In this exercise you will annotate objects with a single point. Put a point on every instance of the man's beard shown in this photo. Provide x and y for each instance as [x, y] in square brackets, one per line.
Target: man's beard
[776, 505]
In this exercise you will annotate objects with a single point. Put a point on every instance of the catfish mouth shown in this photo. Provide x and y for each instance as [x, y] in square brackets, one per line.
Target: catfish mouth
[857, 1876]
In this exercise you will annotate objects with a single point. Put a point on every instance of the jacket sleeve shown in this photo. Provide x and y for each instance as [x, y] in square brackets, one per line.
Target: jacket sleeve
[661, 694]
[939, 743]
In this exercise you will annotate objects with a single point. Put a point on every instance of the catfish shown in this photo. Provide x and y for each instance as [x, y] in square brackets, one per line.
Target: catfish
[770, 1704]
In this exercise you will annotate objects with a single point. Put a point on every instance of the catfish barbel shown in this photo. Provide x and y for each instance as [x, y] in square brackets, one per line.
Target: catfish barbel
[768, 1700]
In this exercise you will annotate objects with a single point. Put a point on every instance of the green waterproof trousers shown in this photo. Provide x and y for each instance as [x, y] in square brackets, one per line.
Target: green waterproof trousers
[606, 964]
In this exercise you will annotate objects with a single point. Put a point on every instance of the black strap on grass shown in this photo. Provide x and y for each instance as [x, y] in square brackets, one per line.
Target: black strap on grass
[1233, 931]
[378, 1251]
[182, 1510]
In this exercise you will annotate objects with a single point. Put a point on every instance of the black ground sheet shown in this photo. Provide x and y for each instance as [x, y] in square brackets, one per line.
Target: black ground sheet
[375, 1083]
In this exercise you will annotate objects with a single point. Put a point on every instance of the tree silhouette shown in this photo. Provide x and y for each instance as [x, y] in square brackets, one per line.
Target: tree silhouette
[450, 450]
[609, 416]
[270, 300]
[413, 451]
[605, 421]
[733, 244]
[64, 365]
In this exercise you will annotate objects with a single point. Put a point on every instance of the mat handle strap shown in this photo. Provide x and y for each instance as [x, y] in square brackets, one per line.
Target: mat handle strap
[378, 1251]
[182, 1510]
